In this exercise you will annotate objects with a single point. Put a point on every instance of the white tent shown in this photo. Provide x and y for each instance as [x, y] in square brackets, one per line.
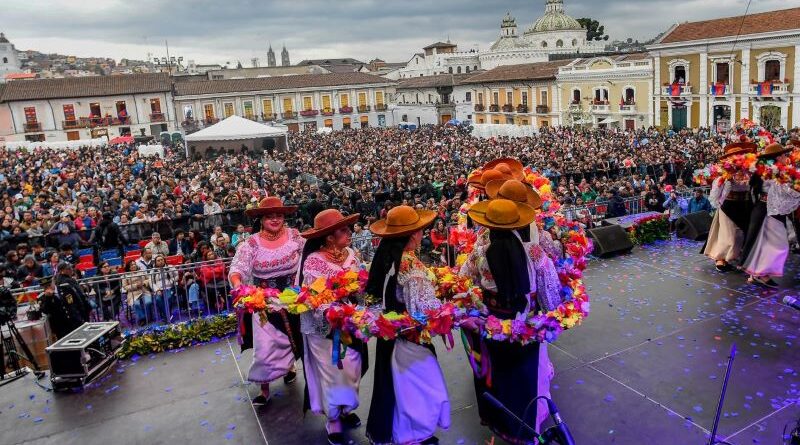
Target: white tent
[235, 132]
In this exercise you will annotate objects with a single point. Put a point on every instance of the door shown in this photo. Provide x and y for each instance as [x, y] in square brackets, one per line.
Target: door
[630, 124]
[446, 118]
[73, 135]
[678, 118]
[722, 117]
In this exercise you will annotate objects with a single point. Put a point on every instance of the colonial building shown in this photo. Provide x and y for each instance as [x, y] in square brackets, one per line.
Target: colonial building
[614, 91]
[89, 107]
[438, 58]
[433, 99]
[524, 94]
[9, 62]
[711, 74]
[306, 101]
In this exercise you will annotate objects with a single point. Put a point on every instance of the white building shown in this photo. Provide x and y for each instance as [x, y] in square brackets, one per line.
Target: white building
[433, 99]
[9, 62]
[438, 58]
[76, 108]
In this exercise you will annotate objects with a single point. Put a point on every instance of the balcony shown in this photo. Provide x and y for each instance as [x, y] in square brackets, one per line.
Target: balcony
[328, 112]
[289, 115]
[107, 121]
[627, 108]
[346, 110]
[542, 109]
[363, 108]
[72, 124]
[479, 107]
[522, 108]
[381, 107]
[719, 89]
[677, 89]
[32, 127]
[309, 113]
[601, 107]
[494, 108]
[769, 89]
[508, 108]
[575, 107]
[266, 117]
[157, 117]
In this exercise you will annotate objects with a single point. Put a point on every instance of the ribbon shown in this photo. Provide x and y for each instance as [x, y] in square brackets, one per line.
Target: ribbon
[484, 369]
[337, 351]
[449, 343]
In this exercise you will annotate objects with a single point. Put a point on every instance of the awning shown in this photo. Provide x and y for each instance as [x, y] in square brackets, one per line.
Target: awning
[608, 120]
[235, 128]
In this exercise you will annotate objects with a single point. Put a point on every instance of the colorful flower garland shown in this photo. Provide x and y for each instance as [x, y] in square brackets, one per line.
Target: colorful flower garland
[647, 229]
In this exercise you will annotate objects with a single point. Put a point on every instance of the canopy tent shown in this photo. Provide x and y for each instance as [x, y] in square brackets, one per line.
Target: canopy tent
[151, 150]
[56, 145]
[121, 140]
[485, 131]
[234, 133]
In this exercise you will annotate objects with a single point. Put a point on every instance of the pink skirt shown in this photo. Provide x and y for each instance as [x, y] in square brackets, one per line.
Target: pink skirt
[272, 353]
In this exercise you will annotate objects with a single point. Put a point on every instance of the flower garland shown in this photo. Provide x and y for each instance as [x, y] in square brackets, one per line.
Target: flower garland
[321, 292]
[160, 338]
[648, 229]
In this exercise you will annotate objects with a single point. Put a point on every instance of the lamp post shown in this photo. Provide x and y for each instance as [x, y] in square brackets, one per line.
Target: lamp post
[169, 62]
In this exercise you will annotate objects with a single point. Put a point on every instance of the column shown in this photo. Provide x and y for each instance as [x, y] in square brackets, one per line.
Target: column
[703, 89]
[655, 92]
[744, 85]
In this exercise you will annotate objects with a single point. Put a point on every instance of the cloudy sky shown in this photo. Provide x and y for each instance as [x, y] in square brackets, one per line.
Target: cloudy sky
[219, 31]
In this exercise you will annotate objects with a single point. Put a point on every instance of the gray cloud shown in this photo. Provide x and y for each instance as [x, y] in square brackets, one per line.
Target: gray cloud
[220, 31]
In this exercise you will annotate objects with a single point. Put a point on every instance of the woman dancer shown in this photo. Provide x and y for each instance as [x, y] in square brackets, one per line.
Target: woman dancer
[409, 398]
[269, 259]
[504, 268]
[331, 389]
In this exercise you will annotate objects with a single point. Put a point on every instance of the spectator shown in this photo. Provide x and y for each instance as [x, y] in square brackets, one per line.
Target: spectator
[616, 205]
[221, 247]
[108, 234]
[180, 245]
[164, 278]
[109, 290]
[362, 241]
[50, 266]
[217, 234]
[699, 203]
[240, 235]
[156, 246]
[145, 262]
[192, 292]
[29, 272]
[675, 205]
[67, 255]
[67, 308]
[213, 280]
[138, 294]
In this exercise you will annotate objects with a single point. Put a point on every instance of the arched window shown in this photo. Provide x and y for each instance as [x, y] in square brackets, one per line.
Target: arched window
[475, 68]
[544, 44]
[574, 42]
[5, 59]
[458, 70]
[680, 74]
[576, 96]
[630, 96]
[467, 69]
[559, 43]
[450, 70]
[772, 70]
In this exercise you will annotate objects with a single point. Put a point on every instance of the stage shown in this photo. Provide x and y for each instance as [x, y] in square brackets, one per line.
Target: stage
[646, 368]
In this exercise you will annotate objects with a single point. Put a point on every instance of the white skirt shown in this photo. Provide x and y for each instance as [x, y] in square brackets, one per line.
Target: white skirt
[331, 391]
[769, 253]
[272, 353]
[421, 401]
[724, 239]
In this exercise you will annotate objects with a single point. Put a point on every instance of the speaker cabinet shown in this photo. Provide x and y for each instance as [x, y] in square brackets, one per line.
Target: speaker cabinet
[610, 240]
[694, 226]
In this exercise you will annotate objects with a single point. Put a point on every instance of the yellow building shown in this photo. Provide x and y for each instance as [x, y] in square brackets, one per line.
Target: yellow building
[607, 91]
[517, 94]
[715, 72]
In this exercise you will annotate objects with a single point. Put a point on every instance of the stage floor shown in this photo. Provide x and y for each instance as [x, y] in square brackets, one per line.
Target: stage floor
[646, 368]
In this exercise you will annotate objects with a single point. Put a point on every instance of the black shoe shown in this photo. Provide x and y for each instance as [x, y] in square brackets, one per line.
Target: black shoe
[433, 440]
[289, 378]
[261, 400]
[723, 267]
[351, 421]
[336, 439]
[766, 281]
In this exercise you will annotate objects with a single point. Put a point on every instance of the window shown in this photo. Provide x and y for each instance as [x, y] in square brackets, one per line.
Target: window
[574, 42]
[600, 95]
[344, 100]
[122, 110]
[545, 124]
[544, 44]
[403, 100]
[468, 96]
[30, 116]
[772, 70]
[458, 70]
[723, 75]
[155, 106]
[266, 104]
[475, 68]
[5, 59]
[510, 98]
[326, 103]
[480, 98]
[94, 110]
[576, 96]
[467, 70]
[208, 111]
[525, 98]
[248, 109]
[430, 98]
[544, 97]
[630, 95]
[496, 97]
[307, 103]
[559, 43]
[405, 118]
[227, 109]
[680, 74]
[450, 70]
[288, 105]
[379, 98]
[69, 113]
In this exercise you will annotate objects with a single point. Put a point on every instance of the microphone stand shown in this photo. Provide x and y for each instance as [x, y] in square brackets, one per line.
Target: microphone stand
[713, 439]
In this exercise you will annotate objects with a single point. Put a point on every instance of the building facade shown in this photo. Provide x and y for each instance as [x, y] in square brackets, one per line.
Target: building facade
[517, 94]
[607, 91]
[89, 107]
[709, 75]
[9, 62]
[438, 58]
[433, 100]
[302, 102]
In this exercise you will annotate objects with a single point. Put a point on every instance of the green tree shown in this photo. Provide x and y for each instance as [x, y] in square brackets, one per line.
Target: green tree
[594, 30]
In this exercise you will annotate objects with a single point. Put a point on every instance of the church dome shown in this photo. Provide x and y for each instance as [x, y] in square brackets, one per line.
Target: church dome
[554, 19]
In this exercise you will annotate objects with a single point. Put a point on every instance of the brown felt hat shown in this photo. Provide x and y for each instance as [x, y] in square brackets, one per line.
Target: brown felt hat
[327, 222]
[514, 190]
[509, 166]
[503, 214]
[739, 148]
[401, 221]
[271, 204]
[774, 150]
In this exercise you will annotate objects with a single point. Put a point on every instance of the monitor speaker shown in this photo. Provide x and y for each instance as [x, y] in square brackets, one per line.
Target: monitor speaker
[694, 226]
[610, 240]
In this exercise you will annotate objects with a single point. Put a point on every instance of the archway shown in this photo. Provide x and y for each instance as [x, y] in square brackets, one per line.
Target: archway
[770, 116]
[722, 118]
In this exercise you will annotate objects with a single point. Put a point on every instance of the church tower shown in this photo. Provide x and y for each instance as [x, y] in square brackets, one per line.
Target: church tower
[285, 57]
[9, 63]
[271, 57]
[509, 26]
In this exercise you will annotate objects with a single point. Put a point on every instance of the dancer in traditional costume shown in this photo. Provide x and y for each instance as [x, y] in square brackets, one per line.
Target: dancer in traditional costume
[409, 398]
[270, 259]
[770, 244]
[331, 388]
[732, 199]
[509, 271]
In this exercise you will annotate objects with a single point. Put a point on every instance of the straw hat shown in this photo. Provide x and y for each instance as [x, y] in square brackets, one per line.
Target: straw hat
[402, 221]
[514, 190]
[503, 214]
[774, 150]
[271, 204]
[509, 166]
[738, 148]
[327, 222]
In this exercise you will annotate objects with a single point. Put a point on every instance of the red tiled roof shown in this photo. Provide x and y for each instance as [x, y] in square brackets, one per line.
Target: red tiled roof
[276, 83]
[528, 71]
[18, 76]
[93, 86]
[781, 20]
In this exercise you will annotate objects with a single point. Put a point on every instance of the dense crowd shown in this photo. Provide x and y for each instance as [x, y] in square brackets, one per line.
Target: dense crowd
[54, 203]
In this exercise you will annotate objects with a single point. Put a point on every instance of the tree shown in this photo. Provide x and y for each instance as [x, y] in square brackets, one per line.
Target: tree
[594, 31]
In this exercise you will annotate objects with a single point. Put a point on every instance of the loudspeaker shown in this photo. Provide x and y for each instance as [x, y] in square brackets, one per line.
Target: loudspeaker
[84, 354]
[694, 226]
[610, 240]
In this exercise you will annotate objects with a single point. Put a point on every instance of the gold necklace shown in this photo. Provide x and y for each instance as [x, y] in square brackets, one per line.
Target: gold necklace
[334, 255]
[272, 236]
